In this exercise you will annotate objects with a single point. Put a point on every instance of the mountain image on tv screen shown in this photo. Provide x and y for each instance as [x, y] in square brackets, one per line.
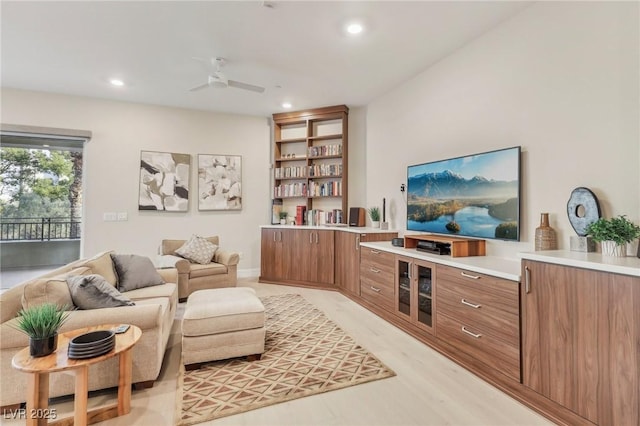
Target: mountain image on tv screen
[476, 195]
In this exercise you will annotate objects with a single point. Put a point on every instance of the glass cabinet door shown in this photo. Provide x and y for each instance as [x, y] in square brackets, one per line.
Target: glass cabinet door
[403, 293]
[425, 313]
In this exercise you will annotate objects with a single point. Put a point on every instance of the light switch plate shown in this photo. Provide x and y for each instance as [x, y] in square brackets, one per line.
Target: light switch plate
[122, 216]
[109, 217]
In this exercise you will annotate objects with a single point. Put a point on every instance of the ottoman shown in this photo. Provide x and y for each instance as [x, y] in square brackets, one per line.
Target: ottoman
[222, 323]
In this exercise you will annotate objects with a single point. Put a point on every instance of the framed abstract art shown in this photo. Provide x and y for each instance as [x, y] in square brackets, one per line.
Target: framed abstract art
[164, 181]
[219, 182]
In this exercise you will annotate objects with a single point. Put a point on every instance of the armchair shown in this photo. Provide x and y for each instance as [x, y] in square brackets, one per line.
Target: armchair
[220, 272]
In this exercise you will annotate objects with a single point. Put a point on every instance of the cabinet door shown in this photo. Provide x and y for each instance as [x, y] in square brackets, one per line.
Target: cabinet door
[271, 254]
[415, 281]
[424, 273]
[309, 256]
[298, 254]
[404, 285]
[347, 260]
[580, 339]
[322, 260]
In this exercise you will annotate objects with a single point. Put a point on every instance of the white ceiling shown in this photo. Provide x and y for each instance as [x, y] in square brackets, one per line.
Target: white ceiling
[297, 50]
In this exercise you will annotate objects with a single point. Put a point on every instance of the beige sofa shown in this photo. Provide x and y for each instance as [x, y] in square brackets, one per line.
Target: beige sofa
[154, 312]
[221, 272]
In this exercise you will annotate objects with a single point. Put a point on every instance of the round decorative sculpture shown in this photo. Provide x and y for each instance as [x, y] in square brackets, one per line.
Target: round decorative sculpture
[583, 208]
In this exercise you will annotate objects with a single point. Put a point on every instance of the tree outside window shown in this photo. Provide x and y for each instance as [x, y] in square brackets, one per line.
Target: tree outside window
[41, 184]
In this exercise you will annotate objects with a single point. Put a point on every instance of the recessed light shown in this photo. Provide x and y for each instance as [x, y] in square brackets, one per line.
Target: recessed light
[286, 105]
[116, 82]
[354, 28]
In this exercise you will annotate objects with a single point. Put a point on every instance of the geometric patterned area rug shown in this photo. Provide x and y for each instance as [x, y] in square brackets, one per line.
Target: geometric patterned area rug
[305, 354]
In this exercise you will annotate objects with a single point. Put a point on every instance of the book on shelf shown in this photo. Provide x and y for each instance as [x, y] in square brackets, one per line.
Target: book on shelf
[325, 150]
[300, 215]
[317, 217]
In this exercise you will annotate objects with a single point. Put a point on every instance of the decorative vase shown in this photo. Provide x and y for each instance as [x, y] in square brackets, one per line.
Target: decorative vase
[611, 248]
[545, 235]
[375, 223]
[283, 221]
[39, 347]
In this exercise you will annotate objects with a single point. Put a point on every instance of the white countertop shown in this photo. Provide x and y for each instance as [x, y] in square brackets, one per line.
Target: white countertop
[500, 267]
[596, 261]
[344, 228]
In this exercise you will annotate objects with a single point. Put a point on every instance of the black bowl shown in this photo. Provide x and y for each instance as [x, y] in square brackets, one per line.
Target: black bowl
[92, 339]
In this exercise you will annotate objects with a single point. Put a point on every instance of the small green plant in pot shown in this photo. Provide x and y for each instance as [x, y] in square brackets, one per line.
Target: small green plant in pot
[374, 214]
[613, 234]
[283, 218]
[41, 323]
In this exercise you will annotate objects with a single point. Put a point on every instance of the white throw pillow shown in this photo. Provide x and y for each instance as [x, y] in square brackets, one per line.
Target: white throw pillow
[198, 250]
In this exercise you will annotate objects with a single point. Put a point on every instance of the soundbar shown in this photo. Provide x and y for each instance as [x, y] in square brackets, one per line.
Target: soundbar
[434, 247]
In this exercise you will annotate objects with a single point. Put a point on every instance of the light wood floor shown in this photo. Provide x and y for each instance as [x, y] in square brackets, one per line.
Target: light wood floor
[428, 389]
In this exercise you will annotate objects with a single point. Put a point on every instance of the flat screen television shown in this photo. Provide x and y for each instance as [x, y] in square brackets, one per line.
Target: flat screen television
[473, 196]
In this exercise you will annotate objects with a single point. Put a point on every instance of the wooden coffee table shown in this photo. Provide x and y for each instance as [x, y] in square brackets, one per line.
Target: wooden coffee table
[38, 412]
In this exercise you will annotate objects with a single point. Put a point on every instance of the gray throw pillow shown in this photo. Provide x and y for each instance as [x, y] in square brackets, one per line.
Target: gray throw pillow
[135, 272]
[94, 292]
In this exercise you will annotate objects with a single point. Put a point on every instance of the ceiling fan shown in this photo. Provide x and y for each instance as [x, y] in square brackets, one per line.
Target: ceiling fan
[220, 81]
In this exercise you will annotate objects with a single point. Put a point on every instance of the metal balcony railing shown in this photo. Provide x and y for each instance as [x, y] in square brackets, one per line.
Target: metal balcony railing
[39, 228]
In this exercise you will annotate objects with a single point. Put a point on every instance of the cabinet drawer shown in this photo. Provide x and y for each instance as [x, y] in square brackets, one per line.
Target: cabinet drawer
[500, 294]
[381, 258]
[481, 308]
[486, 348]
[380, 294]
[377, 273]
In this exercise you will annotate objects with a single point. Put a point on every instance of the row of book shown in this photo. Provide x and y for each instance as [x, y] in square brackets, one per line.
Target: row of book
[315, 189]
[318, 170]
[325, 150]
[317, 217]
[325, 170]
[297, 189]
[325, 189]
[290, 172]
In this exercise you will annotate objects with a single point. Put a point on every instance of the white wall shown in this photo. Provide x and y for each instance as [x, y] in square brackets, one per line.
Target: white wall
[560, 79]
[111, 163]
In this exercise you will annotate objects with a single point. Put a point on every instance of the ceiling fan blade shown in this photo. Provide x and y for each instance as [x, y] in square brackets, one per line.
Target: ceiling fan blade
[202, 86]
[245, 86]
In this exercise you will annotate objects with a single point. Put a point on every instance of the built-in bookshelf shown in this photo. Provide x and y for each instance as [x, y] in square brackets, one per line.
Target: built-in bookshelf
[310, 163]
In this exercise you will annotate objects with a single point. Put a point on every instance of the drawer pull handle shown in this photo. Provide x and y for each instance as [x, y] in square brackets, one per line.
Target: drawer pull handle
[473, 305]
[477, 336]
[377, 290]
[473, 277]
[375, 252]
[374, 270]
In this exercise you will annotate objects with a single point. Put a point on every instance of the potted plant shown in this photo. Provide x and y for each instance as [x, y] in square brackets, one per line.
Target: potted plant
[41, 323]
[283, 218]
[613, 234]
[374, 214]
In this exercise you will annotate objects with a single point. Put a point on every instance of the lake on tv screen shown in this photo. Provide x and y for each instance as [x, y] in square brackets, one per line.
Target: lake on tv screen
[473, 221]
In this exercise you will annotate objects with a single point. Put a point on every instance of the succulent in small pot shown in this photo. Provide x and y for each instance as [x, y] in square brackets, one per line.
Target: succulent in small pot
[41, 323]
[374, 214]
[613, 234]
[283, 218]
